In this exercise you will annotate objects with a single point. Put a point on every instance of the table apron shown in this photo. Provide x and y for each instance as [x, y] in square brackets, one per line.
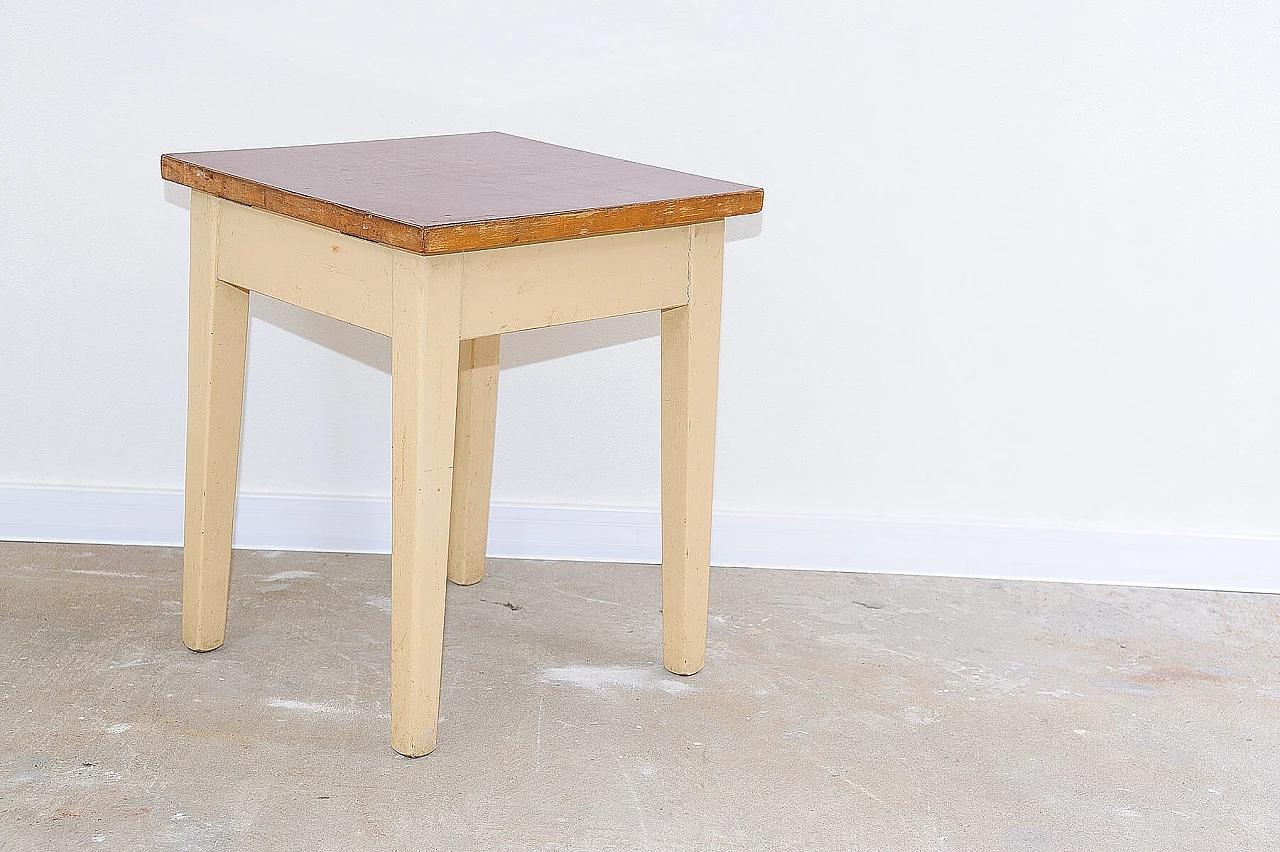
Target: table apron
[503, 289]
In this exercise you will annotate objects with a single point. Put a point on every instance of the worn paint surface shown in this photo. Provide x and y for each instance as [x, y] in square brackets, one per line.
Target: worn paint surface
[835, 712]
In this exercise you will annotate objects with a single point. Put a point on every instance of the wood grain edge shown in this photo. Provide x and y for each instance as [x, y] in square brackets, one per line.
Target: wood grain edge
[467, 236]
[326, 214]
[470, 236]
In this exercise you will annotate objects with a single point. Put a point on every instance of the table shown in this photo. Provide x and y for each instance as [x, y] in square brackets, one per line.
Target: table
[443, 243]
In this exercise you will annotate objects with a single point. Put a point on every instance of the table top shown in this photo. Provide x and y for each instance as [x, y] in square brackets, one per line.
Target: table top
[438, 194]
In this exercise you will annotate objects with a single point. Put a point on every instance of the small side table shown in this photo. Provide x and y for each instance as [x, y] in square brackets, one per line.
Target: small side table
[443, 243]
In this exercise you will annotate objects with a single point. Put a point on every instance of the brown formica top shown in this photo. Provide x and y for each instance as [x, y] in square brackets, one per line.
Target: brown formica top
[438, 194]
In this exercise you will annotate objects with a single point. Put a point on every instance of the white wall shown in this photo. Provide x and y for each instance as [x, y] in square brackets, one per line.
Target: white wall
[1019, 263]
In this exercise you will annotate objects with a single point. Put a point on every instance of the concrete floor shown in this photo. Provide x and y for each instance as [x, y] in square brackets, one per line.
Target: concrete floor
[836, 712]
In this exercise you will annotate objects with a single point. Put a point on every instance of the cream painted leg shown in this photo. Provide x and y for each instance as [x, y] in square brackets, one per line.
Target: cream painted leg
[426, 306]
[690, 361]
[215, 393]
[473, 458]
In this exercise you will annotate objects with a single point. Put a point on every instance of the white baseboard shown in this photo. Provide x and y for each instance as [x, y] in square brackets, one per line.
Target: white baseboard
[363, 525]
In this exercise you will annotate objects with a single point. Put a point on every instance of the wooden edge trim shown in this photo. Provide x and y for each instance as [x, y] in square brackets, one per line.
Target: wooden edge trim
[467, 236]
[353, 223]
[589, 223]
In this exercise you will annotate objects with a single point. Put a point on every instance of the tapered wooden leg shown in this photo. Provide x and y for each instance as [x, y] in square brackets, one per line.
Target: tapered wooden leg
[215, 394]
[690, 362]
[426, 308]
[473, 458]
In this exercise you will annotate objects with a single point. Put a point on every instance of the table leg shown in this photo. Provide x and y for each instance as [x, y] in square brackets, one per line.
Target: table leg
[473, 458]
[219, 316]
[426, 296]
[690, 362]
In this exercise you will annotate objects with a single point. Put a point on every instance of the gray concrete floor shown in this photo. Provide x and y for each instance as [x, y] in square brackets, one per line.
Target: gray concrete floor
[836, 712]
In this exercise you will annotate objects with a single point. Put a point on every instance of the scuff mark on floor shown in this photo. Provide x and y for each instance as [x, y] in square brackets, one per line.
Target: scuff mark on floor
[99, 573]
[919, 716]
[599, 678]
[307, 707]
[509, 605]
[288, 575]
